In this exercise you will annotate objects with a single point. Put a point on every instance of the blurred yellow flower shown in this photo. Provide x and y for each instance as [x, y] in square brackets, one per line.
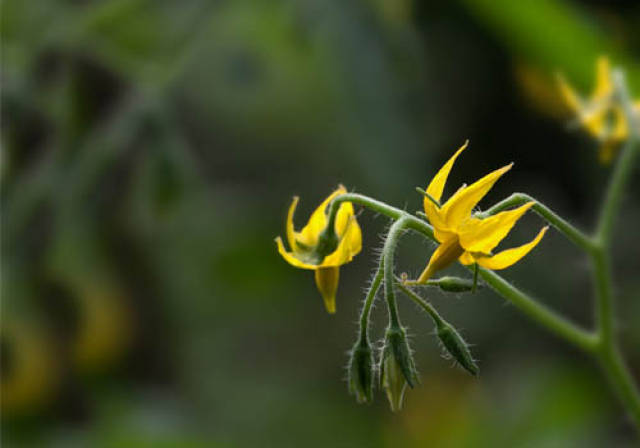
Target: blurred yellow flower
[600, 115]
[304, 245]
[465, 237]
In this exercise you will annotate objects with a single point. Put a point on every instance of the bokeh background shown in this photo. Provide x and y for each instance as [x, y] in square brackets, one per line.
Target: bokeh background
[149, 153]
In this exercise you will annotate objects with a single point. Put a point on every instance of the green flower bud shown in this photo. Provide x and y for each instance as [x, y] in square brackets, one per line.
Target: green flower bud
[457, 347]
[361, 372]
[397, 369]
[393, 381]
[453, 284]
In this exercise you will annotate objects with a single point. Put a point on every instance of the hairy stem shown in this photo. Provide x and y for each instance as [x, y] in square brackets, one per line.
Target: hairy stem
[426, 306]
[573, 234]
[368, 302]
[388, 252]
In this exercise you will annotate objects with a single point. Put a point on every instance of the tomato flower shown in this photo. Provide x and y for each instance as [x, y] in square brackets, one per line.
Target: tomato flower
[600, 115]
[465, 237]
[305, 245]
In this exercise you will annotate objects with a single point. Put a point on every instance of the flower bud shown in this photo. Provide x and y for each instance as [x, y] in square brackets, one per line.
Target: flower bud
[457, 347]
[361, 372]
[453, 284]
[397, 367]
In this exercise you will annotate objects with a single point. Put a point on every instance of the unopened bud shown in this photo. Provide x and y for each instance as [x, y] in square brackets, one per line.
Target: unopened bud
[457, 347]
[453, 284]
[397, 367]
[361, 372]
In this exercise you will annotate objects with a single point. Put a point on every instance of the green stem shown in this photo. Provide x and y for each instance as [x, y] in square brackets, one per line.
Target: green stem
[622, 381]
[388, 252]
[608, 349]
[540, 313]
[380, 207]
[574, 235]
[368, 302]
[426, 306]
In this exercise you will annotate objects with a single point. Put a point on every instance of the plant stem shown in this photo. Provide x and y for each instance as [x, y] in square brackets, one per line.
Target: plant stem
[573, 234]
[388, 253]
[540, 313]
[608, 349]
[380, 207]
[368, 302]
[435, 316]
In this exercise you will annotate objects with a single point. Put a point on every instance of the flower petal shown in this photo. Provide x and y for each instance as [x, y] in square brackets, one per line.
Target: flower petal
[318, 220]
[344, 215]
[290, 258]
[327, 283]
[436, 187]
[459, 206]
[604, 85]
[350, 245]
[466, 259]
[482, 235]
[509, 257]
[571, 98]
[291, 234]
[444, 255]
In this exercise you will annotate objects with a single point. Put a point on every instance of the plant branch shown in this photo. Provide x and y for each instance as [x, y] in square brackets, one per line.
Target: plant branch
[573, 234]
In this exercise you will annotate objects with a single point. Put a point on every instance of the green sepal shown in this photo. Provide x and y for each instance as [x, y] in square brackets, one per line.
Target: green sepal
[396, 345]
[361, 372]
[457, 347]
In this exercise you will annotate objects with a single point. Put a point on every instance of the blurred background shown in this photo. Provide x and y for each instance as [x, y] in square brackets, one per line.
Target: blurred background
[150, 150]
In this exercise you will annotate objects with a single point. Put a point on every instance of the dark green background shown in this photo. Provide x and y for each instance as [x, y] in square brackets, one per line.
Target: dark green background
[150, 151]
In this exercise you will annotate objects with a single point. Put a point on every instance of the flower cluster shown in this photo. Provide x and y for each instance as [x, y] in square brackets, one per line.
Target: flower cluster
[600, 114]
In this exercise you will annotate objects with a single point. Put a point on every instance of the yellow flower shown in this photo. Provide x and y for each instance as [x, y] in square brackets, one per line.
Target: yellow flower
[304, 245]
[465, 237]
[600, 115]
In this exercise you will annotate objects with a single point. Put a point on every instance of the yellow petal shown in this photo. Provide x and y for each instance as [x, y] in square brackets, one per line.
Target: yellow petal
[569, 95]
[459, 206]
[436, 187]
[350, 245]
[318, 221]
[466, 259]
[482, 235]
[444, 255]
[604, 86]
[327, 283]
[620, 126]
[344, 215]
[508, 257]
[290, 258]
[290, 230]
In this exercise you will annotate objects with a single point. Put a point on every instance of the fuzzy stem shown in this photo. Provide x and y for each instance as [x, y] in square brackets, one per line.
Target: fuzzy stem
[426, 306]
[368, 302]
[388, 253]
[573, 234]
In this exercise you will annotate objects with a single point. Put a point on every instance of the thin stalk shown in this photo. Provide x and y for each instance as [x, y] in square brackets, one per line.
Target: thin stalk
[608, 348]
[540, 313]
[426, 306]
[388, 252]
[368, 302]
[573, 234]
